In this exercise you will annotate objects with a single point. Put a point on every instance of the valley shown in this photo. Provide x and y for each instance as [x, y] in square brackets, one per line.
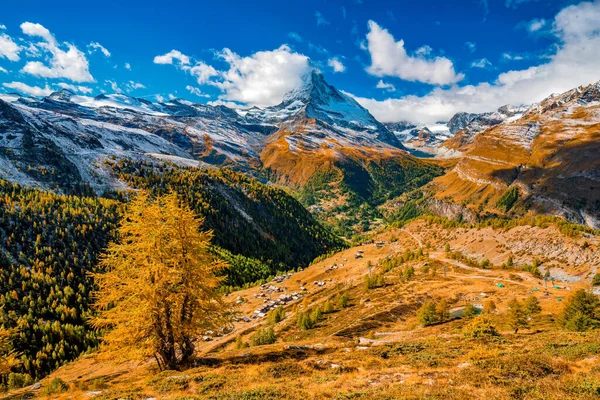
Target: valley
[373, 345]
[298, 250]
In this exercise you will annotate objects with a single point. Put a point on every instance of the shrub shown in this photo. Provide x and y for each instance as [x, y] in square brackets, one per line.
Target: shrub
[304, 321]
[427, 314]
[17, 381]
[480, 328]
[327, 307]
[533, 269]
[532, 305]
[489, 307]
[263, 336]
[596, 280]
[443, 310]
[240, 344]
[344, 300]
[470, 311]
[316, 315]
[407, 273]
[517, 316]
[374, 281]
[581, 312]
[276, 315]
[57, 385]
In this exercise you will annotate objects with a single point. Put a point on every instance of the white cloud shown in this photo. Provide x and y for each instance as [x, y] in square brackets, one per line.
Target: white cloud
[390, 58]
[8, 48]
[2, 26]
[471, 46]
[171, 56]
[512, 57]
[202, 72]
[73, 88]
[196, 91]
[127, 66]
[113, 85]
[71, 64]
[424, 50]
[575, 62]
[386, 86]
[131, 86]
[30, 90]
[482, 63]
[263, 78]
[159, 98]
[535, 25]
[295, 36]
[336, 64]
[32, 50]
[321, 19]
[95, 46]
[3, 70]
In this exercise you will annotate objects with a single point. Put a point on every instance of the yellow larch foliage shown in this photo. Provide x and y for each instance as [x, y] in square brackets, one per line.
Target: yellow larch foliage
[158, 291]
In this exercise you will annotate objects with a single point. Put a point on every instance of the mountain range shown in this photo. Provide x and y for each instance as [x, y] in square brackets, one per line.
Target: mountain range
[321, 139]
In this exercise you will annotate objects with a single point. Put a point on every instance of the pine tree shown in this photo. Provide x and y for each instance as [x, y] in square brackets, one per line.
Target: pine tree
[159, 289]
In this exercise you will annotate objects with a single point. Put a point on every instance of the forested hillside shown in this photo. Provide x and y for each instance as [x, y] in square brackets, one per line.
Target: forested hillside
[247, 217]
[49, 244]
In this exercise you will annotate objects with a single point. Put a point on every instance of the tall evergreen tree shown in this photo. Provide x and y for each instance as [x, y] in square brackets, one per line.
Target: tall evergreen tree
[159, 289]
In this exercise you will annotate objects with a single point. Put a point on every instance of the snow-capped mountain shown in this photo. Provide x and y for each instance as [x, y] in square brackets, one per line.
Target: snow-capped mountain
[70, 135]
[547, 152]
[478, 123]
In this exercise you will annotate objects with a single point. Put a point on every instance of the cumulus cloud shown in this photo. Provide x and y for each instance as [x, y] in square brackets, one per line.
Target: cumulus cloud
[471, 46]
[30, 90]
[171, 57]
[202, 72]
[95, 46]
[127, 66]
[3, 70]
[390, 58]
[70, 64]
[8, 48]
[575, 62]
[73, 88]
[196, 91]
[385, 86]
[263, 78]
[336, 64]
[2, 27]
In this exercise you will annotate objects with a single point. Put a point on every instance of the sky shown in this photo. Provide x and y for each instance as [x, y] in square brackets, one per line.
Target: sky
[420, 61]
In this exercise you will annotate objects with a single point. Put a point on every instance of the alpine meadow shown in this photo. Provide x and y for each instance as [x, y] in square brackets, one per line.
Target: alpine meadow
[341, 199]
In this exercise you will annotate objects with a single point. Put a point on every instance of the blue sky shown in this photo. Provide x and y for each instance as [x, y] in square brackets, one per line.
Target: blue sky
[420, 60]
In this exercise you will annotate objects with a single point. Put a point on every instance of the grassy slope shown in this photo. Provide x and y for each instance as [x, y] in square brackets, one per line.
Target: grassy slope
[376, 349]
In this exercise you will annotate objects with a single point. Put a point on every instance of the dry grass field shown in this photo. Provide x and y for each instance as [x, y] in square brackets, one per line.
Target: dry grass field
[374, 346]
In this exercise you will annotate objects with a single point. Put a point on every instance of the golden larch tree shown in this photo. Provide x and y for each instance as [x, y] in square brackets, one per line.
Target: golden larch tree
[158, 291]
